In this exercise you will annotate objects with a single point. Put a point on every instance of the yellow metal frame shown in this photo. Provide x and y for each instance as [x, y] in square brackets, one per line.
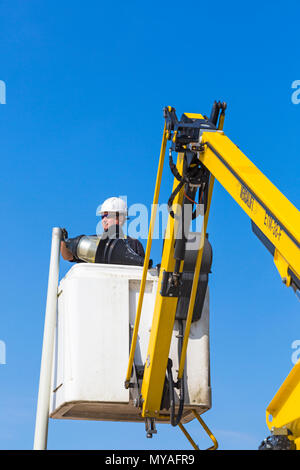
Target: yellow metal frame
[206, 429]
[165, 309]
[163, 321]
[284, 409]
[279, 223]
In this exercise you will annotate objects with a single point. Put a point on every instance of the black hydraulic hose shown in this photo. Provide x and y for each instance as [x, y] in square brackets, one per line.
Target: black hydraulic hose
[176, 420]
[181, 393]
[173, 168]
[171, 389]
[187, 178]
[172, 197]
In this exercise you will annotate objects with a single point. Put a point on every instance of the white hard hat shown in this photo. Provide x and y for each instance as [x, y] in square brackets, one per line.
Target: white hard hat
[113, 204]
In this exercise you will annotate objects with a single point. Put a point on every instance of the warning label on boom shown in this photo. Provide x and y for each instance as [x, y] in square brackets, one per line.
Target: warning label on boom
[247, 197]
[272, 225]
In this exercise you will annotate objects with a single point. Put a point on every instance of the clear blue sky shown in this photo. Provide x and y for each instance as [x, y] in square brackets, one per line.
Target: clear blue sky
[86, 83]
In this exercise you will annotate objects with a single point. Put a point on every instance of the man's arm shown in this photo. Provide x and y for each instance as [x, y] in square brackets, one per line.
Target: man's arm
[136, 246]
[140, 249]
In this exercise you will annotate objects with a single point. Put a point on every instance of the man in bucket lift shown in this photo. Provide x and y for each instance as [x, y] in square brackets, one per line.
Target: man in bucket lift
[113, 247]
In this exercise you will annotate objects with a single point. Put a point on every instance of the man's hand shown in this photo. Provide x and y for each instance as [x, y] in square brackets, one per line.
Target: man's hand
[65, 252]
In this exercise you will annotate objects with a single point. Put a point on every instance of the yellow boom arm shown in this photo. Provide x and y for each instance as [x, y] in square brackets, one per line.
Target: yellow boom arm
[276, 221]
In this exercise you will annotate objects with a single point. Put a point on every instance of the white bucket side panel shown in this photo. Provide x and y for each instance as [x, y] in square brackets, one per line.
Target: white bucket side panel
[100, 338]
[146, 316]
[94, 322]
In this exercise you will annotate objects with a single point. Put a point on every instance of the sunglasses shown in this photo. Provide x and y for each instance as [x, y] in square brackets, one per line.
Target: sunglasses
[107, 215]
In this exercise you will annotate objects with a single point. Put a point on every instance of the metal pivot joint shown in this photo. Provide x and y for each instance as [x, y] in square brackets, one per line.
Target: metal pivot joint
[150, 427]
[171, 284]
[280, 439]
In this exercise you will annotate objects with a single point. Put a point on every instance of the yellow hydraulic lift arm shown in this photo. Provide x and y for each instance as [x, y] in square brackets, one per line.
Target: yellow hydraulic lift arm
[205, 152]
[274, 219]
[283, 413]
